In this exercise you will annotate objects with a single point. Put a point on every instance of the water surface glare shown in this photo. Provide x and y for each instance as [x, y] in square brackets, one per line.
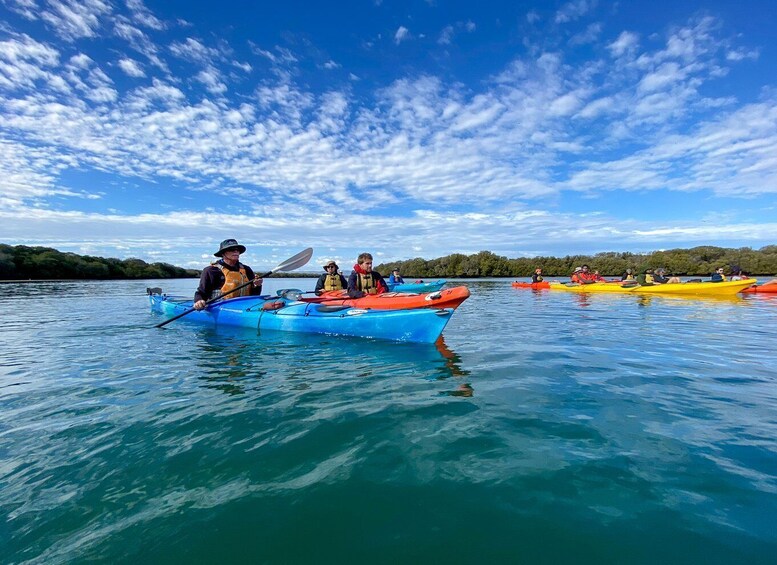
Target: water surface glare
[545, 427]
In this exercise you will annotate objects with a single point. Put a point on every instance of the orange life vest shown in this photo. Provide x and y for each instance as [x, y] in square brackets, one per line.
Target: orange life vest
[232, 279]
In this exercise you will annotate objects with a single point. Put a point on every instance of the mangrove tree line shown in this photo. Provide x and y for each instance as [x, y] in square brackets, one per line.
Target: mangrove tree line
[22, 262]
[697, 261]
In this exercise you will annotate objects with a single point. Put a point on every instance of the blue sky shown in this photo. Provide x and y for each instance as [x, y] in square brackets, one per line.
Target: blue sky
[409, 129]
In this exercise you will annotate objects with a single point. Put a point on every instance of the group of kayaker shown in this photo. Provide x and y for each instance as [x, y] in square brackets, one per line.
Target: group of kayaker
[228, 275]
[363, 279]
[584, 275]
[658, 276]
[225, 275]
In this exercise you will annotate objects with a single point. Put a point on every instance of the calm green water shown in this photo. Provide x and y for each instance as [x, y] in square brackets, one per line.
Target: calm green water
[548, 427]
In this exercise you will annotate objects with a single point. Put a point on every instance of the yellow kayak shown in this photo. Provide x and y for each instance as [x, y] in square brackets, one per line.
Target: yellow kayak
[727, 288]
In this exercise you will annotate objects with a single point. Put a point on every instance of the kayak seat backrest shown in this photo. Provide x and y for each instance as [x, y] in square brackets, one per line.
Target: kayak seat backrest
[153, 290]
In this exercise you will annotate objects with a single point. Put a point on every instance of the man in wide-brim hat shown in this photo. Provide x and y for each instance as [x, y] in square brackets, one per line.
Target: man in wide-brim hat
[331, 279]
[227, 277]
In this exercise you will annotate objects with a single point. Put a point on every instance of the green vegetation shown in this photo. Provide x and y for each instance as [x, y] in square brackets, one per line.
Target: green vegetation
[698, 261]
[22, 263]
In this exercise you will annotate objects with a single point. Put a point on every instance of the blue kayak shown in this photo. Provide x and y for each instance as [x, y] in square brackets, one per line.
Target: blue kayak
[272, 313]
[416, 287]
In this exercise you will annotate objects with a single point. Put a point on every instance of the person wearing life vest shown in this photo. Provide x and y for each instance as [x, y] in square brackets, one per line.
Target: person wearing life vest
[226, 274]
[395, 277]
[537, 275]
[587, 277]
[331, 279]
[661, 278]
[718, 276]
[364, 280]
[628, 275]
[575, 278]
[646, 278]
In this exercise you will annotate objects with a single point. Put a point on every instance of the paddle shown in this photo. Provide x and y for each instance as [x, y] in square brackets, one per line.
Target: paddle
[288, 265]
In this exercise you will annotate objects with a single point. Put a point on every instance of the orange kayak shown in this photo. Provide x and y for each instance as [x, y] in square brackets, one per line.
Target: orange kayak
[446, 298]
[543, 284]
[762, 288]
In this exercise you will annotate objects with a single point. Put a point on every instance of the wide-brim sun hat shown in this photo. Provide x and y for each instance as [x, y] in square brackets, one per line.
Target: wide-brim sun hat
[228, 244]
[329, 264]
[578, 269]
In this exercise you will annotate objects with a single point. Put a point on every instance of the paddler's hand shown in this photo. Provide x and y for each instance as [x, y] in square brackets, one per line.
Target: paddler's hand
[199, 305]
[258, 281]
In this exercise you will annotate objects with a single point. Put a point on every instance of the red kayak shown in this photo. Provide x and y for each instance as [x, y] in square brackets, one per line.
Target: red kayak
[543, 284]
[772, 287]
[446, 298]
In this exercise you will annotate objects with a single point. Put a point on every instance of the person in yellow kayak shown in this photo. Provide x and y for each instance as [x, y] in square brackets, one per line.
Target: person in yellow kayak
[628, 275]
[224, 275]
[646, 278]
[585, 276]
[661, 278]
[364, 280]
[331, 279]
[718, 276]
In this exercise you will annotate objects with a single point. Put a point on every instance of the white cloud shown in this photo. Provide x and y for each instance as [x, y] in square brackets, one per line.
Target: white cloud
[28, 9]
[143, 16]
[590, 35]
[448, 32]
[74, 19]
[665, 75]
[626, 42]
[23, 61]
[741, 54]
[446, 35]
[597, 107]
[139, 41]
[193, 50]
[211, 79]
[574, 10]
[131, 68]
[401, 35]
